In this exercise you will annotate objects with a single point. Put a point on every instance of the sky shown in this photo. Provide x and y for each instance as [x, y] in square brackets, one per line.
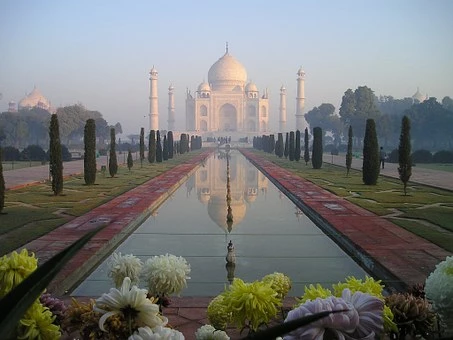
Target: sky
[99, 53]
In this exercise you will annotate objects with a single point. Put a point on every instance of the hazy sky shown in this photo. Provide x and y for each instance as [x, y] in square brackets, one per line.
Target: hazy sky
[99, 53]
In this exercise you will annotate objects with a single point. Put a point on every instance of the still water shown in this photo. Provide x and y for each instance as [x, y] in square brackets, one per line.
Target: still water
[269, 234]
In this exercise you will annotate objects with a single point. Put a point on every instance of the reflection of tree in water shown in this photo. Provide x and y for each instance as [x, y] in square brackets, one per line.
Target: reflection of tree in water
[229, 218]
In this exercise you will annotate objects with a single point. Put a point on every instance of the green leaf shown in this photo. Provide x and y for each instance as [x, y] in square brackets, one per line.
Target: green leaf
[14, 305]
[286, 327]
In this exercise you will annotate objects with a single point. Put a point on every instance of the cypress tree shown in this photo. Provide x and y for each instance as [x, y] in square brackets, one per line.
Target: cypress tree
[291, 146]
[2, 183]
[271, 143]
[279, 145]
[170, 144]
[130, 161]
[370, 168]
[316, 157]
[113, 162]
[89, 164]
[404, 153]
[55, 162]
[349, 152]
[142, 145]
[152, 147]
[286, 150]
[165, 149]
[158, 148]
[297, 148]
[306, 147]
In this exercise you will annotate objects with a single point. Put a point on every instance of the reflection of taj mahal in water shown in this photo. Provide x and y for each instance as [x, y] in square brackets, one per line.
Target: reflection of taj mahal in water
[227, 103]
[210, 183]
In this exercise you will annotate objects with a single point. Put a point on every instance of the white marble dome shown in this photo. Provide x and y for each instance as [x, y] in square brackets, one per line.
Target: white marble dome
[204, 87]
[227, 72]
[34, 99]
[251, 87]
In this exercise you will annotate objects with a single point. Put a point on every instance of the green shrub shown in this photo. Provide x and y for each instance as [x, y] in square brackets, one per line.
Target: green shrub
[297, 148]
[55, 161]
[113, 162]
[11, 153]
[2, 184]
[443, 157]
[392, 157]
[89, 164]
[422, 156]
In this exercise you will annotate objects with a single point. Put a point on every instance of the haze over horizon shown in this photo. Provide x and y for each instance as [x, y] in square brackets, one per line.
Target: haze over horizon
[100, 53]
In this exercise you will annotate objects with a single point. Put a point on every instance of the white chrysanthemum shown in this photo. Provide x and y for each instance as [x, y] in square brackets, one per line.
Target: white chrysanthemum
[208, 332]
[166, 274]
[439, 290]
[121, 266]
[132, 302]
[156, 333]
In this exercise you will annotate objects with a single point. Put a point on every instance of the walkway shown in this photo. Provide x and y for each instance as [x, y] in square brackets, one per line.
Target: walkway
[390, 251]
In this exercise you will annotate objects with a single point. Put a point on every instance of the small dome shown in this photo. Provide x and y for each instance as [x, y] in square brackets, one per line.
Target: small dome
[282, 89]
[251, 87]
[227, 72]
[35, 99]
[153, 71]
[301, 72]
[171, 88]
[204, 87]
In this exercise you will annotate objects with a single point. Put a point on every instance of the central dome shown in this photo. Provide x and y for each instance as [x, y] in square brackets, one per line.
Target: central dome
[227, 72]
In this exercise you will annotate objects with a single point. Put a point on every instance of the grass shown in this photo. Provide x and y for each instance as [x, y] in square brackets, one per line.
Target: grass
[428, 211]
[19, 165]
[34, 211]
[437, 166]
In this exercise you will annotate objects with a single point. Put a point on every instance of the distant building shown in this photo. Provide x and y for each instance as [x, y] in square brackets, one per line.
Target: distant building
[418, 97]
[35, 99]
[12, 107]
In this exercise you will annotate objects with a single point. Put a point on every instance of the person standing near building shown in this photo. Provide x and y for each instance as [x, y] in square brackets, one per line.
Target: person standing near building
[382, 156]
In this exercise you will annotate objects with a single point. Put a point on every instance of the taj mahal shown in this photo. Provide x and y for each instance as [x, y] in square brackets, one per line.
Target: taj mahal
[228, 103]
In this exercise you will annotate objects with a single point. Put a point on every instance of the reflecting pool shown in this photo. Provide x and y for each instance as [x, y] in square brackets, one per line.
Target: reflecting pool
[268, 231]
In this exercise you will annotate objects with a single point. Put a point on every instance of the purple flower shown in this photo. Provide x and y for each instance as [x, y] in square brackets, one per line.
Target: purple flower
[362, 320]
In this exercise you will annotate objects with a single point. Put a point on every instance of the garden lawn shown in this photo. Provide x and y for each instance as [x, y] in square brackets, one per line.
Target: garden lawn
[34, 211]
[425, 211]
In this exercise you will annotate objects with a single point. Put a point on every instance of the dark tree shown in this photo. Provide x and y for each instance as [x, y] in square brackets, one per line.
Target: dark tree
[142, 145]
[306, 147]
[404, 153]
[279, 145]
[349, 152]
[170, 144]
[165, 149]
[297, 148]
[55, 161]
[2, 184]
[89, 157]
[286, 151]
[370, 169]
[316, 157]
[113, 162]
[271, 143]
[158, 148]
[291, 146]
[130, 161]
[152, 147]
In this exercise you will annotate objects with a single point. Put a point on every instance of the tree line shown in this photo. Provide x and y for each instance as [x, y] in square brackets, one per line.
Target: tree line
[430, 119]
[30, 126]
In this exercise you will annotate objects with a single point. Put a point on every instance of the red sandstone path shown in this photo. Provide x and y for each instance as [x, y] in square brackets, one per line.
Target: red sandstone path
[384, 248]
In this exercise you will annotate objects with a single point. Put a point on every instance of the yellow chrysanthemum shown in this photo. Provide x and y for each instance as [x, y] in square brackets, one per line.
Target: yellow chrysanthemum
[251, 304]
[370, 286]
[313, 292]
[37, 323]
[14, 268]
[218, 314]
[278, 282]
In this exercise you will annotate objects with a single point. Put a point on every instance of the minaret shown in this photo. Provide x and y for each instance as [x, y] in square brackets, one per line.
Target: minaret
[171, 108]
[282, 121]
[300, 101]
[153, 101]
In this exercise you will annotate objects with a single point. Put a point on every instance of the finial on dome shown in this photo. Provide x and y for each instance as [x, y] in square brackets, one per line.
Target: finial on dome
[226, 48]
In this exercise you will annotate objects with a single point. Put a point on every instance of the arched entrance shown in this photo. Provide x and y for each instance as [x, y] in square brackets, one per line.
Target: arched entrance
[227, 118]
